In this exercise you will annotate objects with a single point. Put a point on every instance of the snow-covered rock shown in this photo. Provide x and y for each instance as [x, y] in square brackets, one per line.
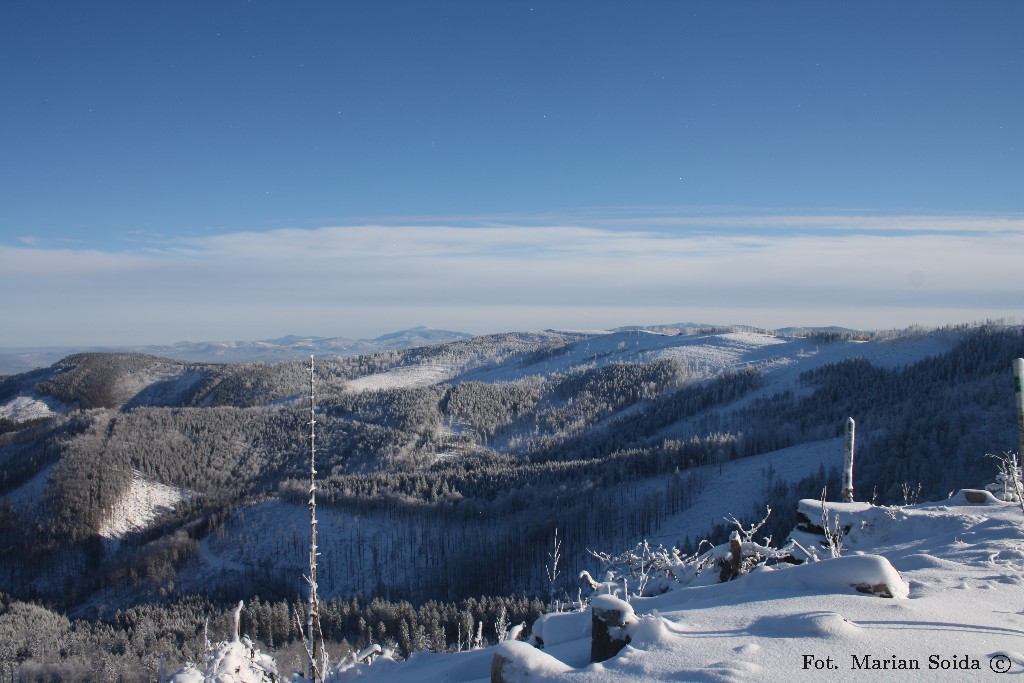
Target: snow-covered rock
[561, 627]
[515, 661]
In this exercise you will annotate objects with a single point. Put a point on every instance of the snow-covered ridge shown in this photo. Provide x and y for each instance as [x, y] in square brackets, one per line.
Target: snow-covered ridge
[284, 349]
[703, 354]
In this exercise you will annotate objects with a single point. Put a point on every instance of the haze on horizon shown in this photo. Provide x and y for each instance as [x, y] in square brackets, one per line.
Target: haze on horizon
[245, 171]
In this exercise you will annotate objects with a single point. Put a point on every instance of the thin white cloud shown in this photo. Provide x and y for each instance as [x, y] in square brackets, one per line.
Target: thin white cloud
[36, 261]
[352, 280]
[839, 222]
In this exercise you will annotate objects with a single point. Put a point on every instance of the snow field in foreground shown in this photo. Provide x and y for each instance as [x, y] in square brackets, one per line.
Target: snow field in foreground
[962, 566]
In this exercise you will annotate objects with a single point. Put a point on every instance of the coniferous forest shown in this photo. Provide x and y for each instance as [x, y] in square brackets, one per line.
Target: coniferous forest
[443, 473]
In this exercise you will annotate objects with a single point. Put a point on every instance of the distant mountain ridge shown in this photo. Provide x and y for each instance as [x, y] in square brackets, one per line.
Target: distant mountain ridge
[291, 347]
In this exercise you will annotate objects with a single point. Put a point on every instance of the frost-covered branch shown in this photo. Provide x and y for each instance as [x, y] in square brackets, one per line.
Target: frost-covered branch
[833, 531]
[551, 570]
[1007, 486]
[747, 535]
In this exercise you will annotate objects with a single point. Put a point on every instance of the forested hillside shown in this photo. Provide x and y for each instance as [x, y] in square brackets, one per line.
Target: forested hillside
[445, 470]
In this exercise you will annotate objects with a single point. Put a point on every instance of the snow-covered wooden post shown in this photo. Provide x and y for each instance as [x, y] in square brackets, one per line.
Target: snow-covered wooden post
[848, 462]
[1018, 396]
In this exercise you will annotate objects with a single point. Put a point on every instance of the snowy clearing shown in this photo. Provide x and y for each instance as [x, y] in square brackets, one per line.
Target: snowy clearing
[400, 378]
[31, 406]
[143, 503]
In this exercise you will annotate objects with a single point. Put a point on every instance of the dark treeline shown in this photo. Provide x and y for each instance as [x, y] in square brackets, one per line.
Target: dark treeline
[37, 644]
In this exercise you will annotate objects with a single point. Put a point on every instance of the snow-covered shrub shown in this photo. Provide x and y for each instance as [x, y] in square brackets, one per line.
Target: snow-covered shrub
[644, 571]
[832, 529]
[745, 554]
[230, 661]
[352, 667]
[912, 496]
[1007, 486]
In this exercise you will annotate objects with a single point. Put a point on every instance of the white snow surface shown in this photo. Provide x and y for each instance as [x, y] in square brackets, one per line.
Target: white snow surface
[958, 569]
[31, 406]
[139, 507]
[405, 376]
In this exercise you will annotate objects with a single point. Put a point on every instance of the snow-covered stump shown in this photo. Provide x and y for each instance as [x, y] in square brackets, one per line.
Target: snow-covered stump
[517, 662]
[610, 619]
[733, 564]
[499, 665]
[979, 497]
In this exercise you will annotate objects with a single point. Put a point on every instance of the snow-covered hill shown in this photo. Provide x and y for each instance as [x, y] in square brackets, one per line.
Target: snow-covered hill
[922, 592]
[703, 354]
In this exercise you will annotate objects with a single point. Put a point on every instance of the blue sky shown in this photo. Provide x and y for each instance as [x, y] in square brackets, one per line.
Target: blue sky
[242, 170]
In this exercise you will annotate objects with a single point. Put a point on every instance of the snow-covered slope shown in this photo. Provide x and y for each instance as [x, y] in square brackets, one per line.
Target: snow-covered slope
[737, 488]
[961, 620]
[414, 376]
[30, 406]
[139, 507]
[704, 354]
